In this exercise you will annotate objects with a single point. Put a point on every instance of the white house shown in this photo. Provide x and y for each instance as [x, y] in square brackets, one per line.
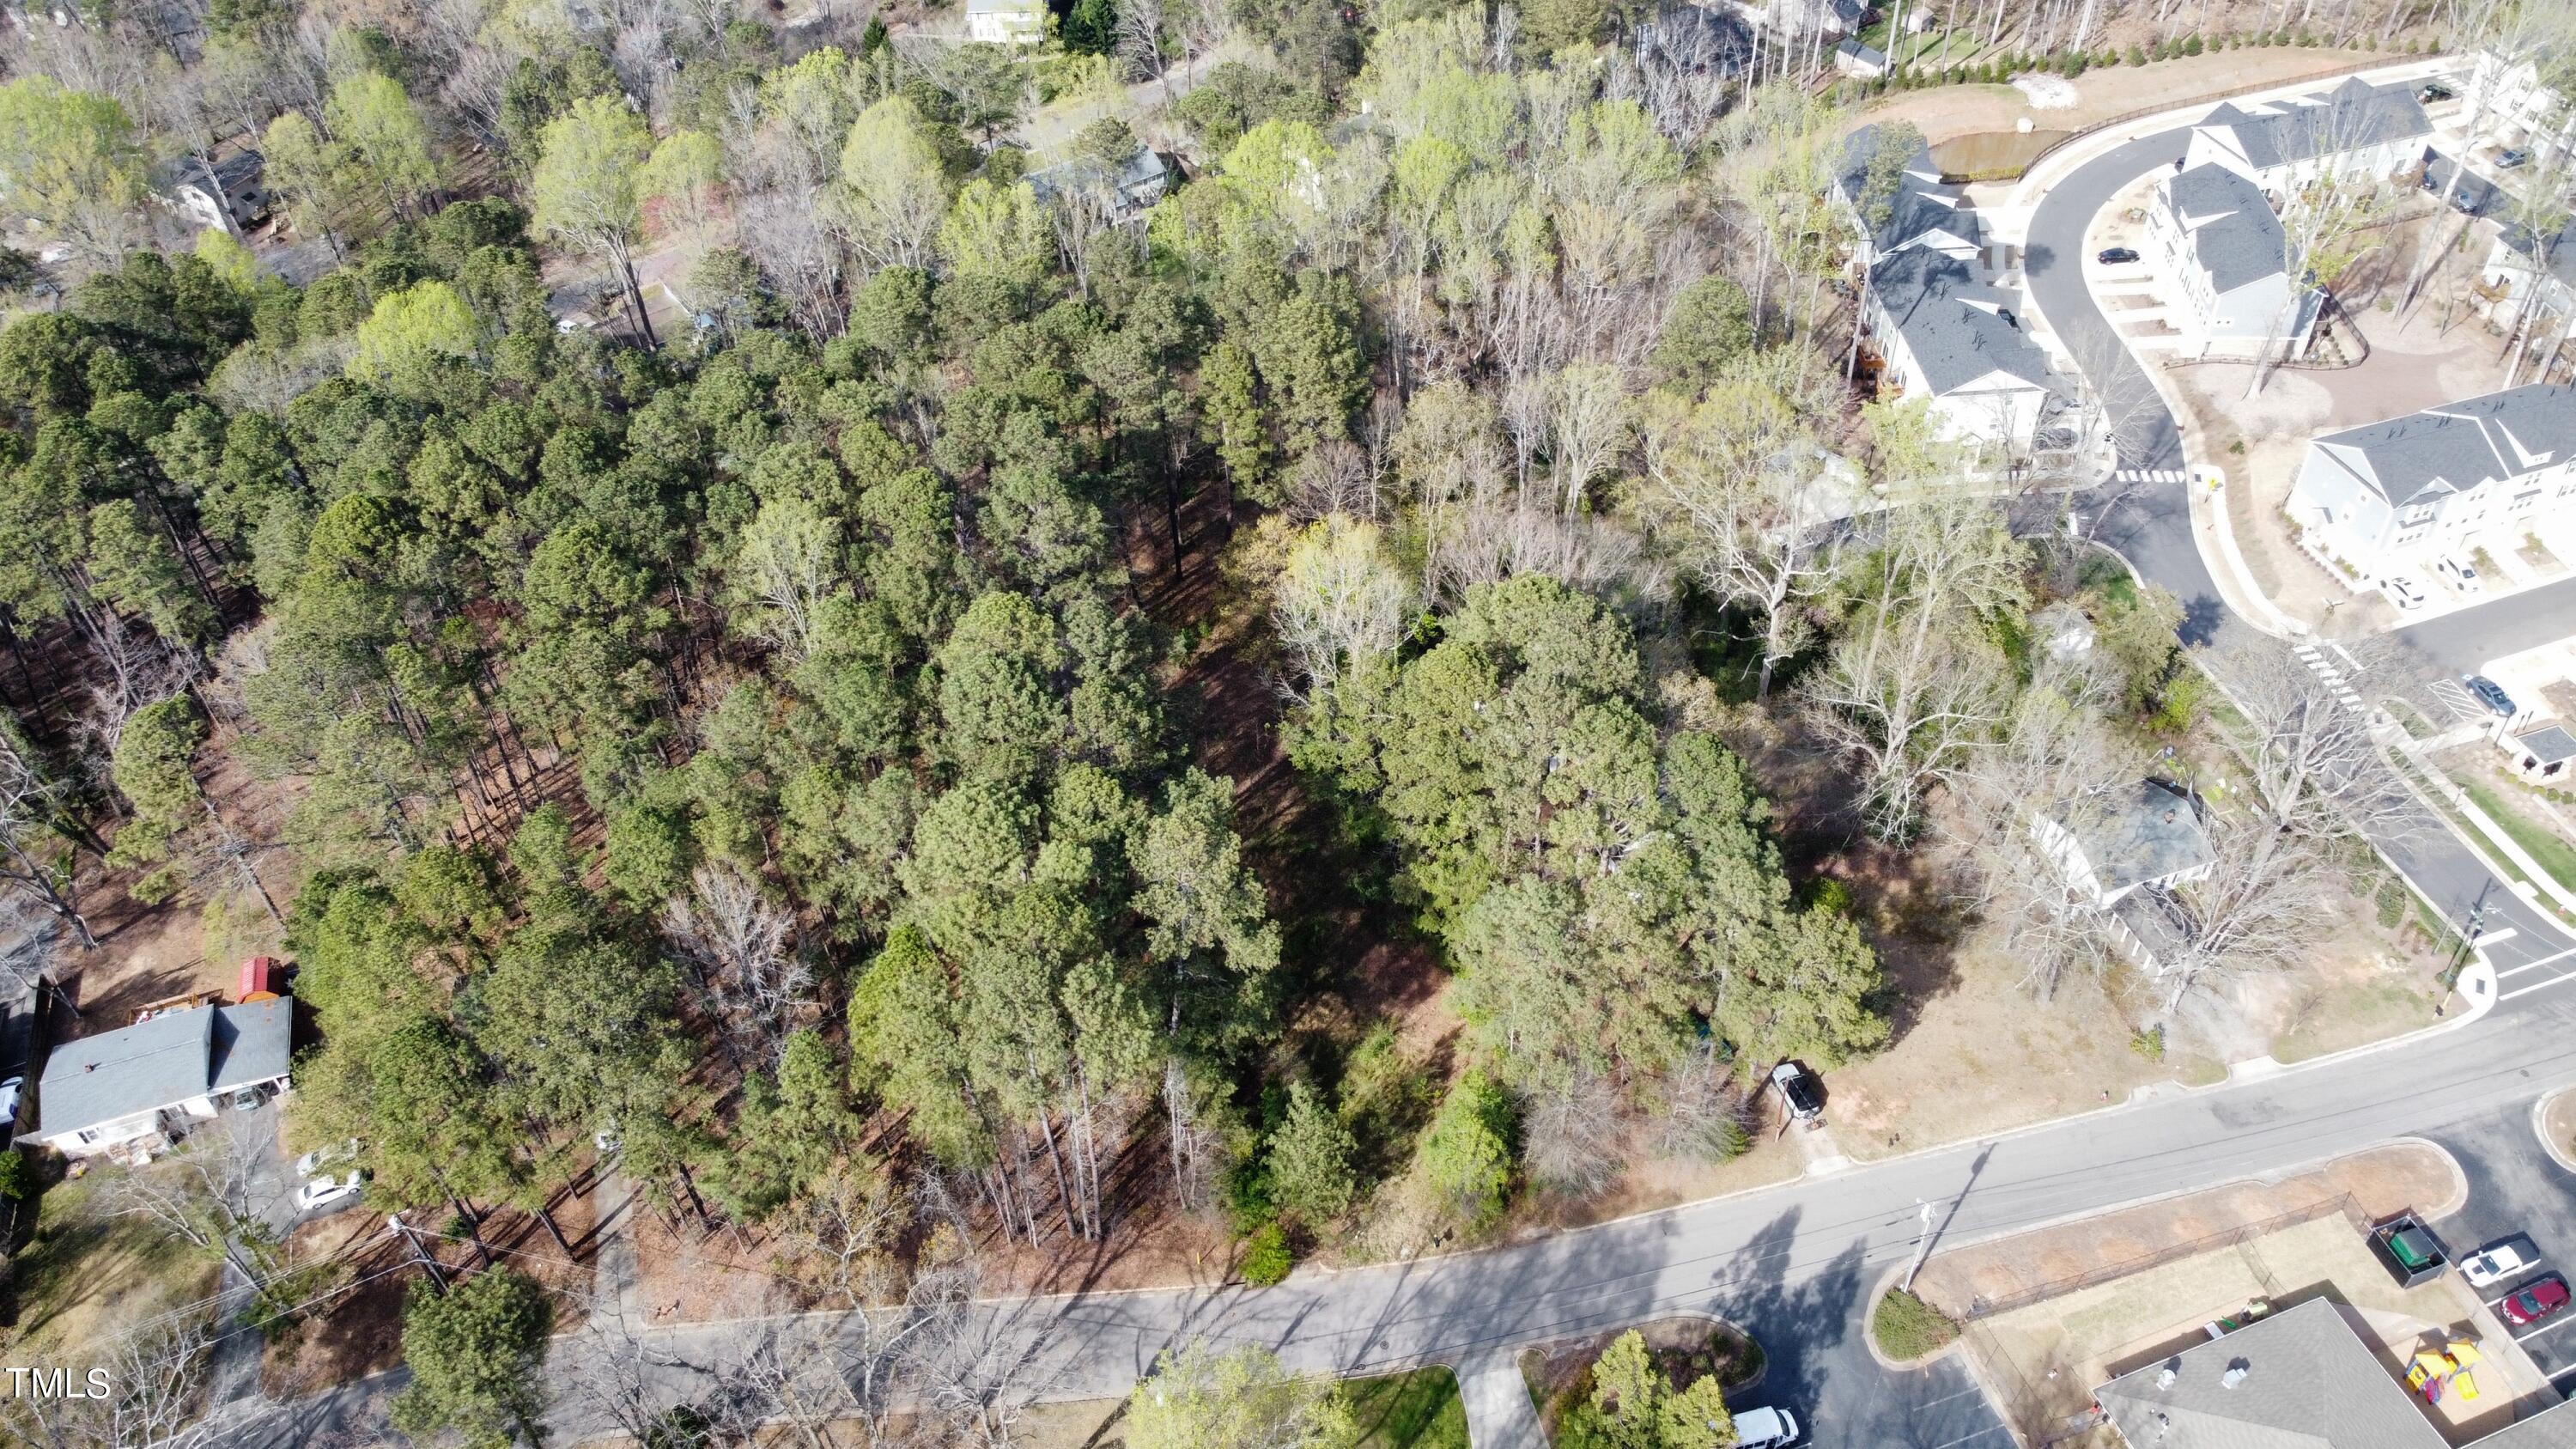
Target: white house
[2520, 262]
[131, 1093]
[1006, 22]
[2354, 130]
[1944, 333]
[2514, 109]
[2124, 852]
[2110, 845]
[1855, 59]
[2216, 241]
[2383, 495]
[1803, 17]
[232, 199]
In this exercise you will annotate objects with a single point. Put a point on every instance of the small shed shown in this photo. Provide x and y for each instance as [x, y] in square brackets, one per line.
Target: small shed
[1855, 59]
[2542, 754]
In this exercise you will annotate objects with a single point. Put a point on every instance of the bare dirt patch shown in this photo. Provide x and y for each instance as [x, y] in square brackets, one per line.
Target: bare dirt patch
[1947, 111]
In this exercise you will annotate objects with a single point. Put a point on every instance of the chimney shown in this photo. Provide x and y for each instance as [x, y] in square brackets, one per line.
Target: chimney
[2237, 1369]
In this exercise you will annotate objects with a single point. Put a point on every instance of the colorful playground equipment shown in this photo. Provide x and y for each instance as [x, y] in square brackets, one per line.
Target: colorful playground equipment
[2432, 1374]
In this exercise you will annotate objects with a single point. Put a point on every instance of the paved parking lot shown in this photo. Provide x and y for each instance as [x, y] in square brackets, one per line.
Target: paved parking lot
[2517, 1191]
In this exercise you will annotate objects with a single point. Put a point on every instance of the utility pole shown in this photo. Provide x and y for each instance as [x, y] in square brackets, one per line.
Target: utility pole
[1922, 1243]
[419, 1254]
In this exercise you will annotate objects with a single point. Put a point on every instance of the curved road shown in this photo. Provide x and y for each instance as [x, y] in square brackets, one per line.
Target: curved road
[1794, 1262]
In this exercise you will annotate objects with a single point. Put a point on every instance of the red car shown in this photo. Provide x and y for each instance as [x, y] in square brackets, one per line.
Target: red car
[2534, 1301]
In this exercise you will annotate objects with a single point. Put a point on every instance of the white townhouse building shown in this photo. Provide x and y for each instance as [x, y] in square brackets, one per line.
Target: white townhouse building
[1944, 332]
[2354, 130]
[2211, 233]
[2387, 494]
[2514, 108]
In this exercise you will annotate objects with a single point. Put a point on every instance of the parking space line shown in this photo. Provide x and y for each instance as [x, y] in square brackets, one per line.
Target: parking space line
[2535, 965]
[2535, 986]
[1945, 1398]
[2535, 1333]
[1994, 1428]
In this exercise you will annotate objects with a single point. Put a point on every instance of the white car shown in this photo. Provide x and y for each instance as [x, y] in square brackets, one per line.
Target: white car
[9, 1091]
[2494, 1265]
[2461, 576]
[324, 1194]
[2404, 594]
[1765, 1429]
[329, 1154]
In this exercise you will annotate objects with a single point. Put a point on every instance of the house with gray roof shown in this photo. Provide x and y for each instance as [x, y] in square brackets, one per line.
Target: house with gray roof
[1943, 331]
[231, 195]
[2355, 130]
[1128, 189]
[2220, 251]
[1893, 202]
[2112, 843]
[2301, 1378]
[134, 1091]
[1853, 58]
[2521, 263]
[1947, 337]
[2382, 497]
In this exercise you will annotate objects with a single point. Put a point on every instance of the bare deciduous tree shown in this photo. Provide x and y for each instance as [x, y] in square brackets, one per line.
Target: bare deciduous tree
[153, 1396]
[1570, 1135]
[744, 968]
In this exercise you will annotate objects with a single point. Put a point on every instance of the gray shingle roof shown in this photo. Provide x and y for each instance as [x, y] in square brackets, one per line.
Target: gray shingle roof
[1921, 204]
[2245, 243]
[1861, 53]
[1142, 172]
[2149, 832]
[2350, 117]
[2460, 446]
[162, 1062]
[2560, 249]
[2308, 1383]
[1958, 328]
[2549, 744]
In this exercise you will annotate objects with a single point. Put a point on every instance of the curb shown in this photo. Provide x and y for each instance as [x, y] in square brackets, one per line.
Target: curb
[2540, 1129]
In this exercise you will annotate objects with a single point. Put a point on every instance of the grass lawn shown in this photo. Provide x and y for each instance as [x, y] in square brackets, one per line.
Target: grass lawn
[1906, 1327]
[1417, 1410]
[84, 1279]
[2545, 846]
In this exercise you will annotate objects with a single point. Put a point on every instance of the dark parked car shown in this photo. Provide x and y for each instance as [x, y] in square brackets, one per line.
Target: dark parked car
[1800, 1091]
[2507, 160]
[2114, 256]
[2534, 1301]
[2489, 693]
[2434, 92]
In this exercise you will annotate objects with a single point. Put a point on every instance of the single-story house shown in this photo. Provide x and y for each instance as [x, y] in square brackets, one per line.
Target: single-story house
[1006, 22]
[231, 200]
[1855, 59]
[1133, 186]
[133, 1092]
[2387, 494]
[2114, 843]
[2299, 1378]
[2217, 241]
[2356, 129]
[2541, 754]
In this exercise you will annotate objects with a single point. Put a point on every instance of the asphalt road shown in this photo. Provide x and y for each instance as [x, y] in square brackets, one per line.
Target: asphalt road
[2517, 1191]
[2150, 523]
[1794, 1263]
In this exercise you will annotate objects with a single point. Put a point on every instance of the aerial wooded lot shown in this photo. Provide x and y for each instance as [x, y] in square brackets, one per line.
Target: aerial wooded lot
[761, 630]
